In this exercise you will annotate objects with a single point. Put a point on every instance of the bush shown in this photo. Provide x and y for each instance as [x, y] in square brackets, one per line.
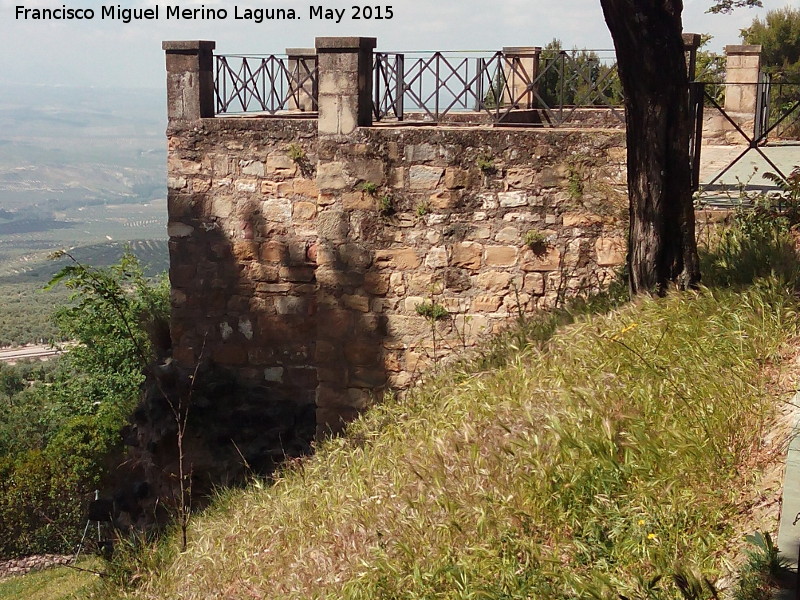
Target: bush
[758, 243]
[759, 576]
[41, 505]
[57, 441]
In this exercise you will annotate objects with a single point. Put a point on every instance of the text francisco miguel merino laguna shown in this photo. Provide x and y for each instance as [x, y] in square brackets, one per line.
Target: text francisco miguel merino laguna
[257, 15]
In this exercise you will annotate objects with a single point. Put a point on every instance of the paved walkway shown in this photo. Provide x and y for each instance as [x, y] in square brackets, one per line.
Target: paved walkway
[748, 171]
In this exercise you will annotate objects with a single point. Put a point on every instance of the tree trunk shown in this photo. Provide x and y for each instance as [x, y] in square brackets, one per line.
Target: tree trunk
[662, 249]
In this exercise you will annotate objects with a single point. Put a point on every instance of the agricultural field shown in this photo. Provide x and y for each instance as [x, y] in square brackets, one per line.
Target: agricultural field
[94, 235]
[82, 170]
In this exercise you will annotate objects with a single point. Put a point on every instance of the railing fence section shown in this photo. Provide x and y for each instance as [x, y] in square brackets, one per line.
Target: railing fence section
[433, 86]
[269, 84]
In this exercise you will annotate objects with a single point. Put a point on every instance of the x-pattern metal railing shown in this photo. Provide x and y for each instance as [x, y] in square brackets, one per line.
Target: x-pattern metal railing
[581, 81]
[438, 84]
[268, 84]
[766, 122]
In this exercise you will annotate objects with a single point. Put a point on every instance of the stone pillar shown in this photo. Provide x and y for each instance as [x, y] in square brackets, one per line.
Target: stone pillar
[520, 68]
[741, 78]
[190, 79]
[345, 83]
[302, 87]
[691, 42]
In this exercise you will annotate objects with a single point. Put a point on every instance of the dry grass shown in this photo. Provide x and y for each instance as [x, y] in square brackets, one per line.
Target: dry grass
[591, 465]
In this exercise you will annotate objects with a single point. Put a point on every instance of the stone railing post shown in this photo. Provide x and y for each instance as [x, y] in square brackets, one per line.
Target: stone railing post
[345, 83]
[190, 79]
[520, 68]
[742, 70]
[302, 87]
[691, 42]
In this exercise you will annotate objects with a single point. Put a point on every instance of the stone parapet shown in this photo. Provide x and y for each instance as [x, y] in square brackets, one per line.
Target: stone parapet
[190, 79]
[345, 83]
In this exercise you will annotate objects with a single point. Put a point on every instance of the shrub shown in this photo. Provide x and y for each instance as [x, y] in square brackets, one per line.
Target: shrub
[757, 244]
[385, 205]
[758, 577]
[432, 311]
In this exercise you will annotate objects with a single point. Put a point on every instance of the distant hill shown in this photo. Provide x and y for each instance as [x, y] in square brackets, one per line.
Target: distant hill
[77, 145]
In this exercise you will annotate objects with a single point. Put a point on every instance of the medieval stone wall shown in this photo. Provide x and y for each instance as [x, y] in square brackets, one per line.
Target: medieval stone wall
[302, 262]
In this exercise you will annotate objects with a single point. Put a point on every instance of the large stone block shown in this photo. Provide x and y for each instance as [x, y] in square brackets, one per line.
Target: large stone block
[292, 305]
[486, 303]
[333, 225]
[304, 211]
[356, 302]
[436, 257]
[573, 219]
[354, 255]
[512, 199]
[363, 352]
[179, 230]
[420, 152]
[279, 163]
[467, 255]
[252, 167]
[331, 176]
[401, 259]
[335, 324]
[358, 200]
[548, 260]
[520, 178]
[369, 170]
[456, 178]
[376, 283]
[278, 210]
[501, 256]
[274, 251]
[368, 377]
[424, 178]
[610, 251]
[493, 281]
[245, 250]
[230, 354]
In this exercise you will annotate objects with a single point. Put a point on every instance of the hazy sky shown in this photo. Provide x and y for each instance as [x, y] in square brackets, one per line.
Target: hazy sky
[111, 53]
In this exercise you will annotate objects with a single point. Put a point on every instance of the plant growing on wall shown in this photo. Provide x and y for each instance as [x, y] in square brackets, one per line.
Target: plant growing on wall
[433, 312]
[296, 152]
[369, 187]
[385, 205]
[486, 164]
[299, 156]
[536, 241]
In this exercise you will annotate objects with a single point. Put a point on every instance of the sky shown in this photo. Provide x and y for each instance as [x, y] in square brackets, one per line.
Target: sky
[109, 53]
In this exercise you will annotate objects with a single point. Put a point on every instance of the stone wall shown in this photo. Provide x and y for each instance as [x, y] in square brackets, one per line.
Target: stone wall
[21, 566]
[301, 261]
[310, 256]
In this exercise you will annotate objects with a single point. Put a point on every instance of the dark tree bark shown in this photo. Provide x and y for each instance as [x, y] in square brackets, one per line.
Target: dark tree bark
[662, 249]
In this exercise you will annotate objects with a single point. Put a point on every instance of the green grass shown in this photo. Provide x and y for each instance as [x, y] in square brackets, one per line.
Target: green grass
[600, 463]
[60, 583]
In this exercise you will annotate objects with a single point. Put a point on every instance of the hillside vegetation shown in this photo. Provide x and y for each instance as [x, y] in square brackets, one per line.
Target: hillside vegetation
[599, 463]
[26, 315]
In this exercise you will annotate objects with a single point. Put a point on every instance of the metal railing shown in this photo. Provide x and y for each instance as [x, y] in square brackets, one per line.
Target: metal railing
[268, 84]
[773, 115]
[437, 85]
